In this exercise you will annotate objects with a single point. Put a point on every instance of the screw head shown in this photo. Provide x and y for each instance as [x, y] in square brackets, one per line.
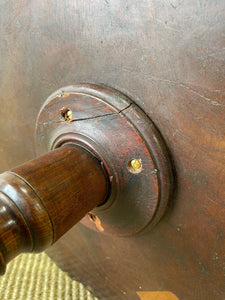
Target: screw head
[66, 114]
[69, 115]
[134, 165]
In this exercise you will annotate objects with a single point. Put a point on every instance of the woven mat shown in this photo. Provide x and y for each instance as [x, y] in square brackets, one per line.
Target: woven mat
[36, 277]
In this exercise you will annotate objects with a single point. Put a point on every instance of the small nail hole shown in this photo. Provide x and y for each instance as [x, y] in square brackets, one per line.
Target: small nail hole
[92, 217]
[63, 95]
[96, 220]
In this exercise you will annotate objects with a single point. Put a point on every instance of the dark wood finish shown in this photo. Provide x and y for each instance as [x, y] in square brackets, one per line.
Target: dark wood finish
[113, 127]
[44, 198]
[168, 56]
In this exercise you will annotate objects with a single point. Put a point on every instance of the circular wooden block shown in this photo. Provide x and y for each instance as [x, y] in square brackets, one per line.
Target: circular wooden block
[119, 133]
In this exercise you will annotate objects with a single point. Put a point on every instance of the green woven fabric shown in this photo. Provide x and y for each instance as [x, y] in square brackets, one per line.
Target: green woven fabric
[36, 277]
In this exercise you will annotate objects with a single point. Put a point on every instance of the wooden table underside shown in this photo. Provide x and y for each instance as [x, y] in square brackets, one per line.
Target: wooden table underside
[168, 56]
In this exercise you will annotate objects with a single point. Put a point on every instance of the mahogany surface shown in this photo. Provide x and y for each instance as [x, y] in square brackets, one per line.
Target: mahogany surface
[169, 57]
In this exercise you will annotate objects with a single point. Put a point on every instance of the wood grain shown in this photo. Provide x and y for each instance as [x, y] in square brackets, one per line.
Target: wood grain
[44, 198]
[169, 57]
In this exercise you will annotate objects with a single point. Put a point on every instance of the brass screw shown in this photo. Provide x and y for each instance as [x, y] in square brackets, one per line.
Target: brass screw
[69, 115]
[66, 113]
[134, 165]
